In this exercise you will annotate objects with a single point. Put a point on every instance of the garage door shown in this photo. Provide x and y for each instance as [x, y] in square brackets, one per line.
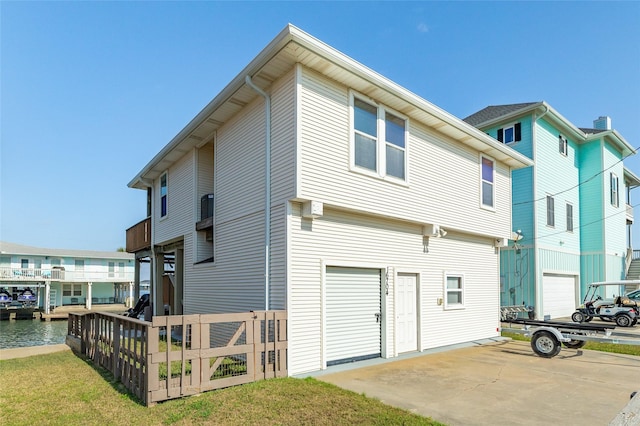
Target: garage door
[558, 295]
[352, 310]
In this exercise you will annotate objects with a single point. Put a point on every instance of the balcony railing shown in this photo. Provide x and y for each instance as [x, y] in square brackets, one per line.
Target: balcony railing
[629, 213]
[139, 236]
[39, 275]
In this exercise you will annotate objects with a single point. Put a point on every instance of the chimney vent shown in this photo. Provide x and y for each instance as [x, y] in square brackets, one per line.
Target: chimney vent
[602, 123]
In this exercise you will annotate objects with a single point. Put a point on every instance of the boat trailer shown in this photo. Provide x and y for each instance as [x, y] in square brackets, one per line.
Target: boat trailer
[547, 337]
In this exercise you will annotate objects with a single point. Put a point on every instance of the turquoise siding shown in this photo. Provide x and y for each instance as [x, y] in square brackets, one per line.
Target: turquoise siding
[591, 196]
[556, 174]
[595, 249]
[517, 277]
[615, 220]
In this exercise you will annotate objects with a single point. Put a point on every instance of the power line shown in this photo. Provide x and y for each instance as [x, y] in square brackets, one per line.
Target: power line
[585, 224]
[580, 183]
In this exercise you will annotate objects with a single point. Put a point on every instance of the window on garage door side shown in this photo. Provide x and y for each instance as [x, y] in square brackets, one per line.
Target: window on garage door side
[454, 291]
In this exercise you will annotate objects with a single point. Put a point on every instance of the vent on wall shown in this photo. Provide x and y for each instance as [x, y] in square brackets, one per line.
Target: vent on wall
[206, 206]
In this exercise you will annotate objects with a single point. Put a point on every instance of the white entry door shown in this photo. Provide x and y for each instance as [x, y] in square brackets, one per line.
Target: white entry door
[406, 314]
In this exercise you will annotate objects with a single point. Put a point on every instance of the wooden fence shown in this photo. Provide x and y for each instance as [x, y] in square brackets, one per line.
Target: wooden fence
[179, 355]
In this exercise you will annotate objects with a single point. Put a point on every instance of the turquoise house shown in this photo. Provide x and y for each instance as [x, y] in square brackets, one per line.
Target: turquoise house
[571, 213]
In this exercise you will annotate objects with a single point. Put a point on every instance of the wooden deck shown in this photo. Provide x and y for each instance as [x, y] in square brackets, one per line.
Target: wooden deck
[62, 312]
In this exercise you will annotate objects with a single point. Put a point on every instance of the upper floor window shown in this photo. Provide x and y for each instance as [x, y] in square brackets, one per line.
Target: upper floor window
[121, 269]
[112, 269]
[24, 263]
[569, 217]
[163, 195]
[615, 197]
[562, 145]
[510, 134]
[379, 140]
[454, 292]
[551, 221]
[487, 180]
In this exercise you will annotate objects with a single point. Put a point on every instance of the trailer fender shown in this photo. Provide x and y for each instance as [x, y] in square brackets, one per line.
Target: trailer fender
[553, 331]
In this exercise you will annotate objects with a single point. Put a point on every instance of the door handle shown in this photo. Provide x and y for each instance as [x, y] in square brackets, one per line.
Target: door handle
[378, 316]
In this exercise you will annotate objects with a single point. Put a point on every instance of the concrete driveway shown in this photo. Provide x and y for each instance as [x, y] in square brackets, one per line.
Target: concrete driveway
[501, 383]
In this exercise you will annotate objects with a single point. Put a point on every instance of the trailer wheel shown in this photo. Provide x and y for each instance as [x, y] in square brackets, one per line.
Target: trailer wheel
[574, 344]
[545, 344]
[623, 320]
[578, 316]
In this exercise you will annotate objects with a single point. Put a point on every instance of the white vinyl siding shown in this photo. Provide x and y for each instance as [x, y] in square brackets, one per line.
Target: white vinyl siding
[441, 169]
[356, 240]
[204, 172]
[235, 282]
[180, 219]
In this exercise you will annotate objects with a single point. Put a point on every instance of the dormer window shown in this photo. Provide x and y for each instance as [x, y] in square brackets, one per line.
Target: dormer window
[510, 134]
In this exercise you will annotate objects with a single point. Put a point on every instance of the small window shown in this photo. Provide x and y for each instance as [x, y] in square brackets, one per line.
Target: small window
[569, 217]
[24, 263]
[454, 292]
[163, 195]
[121, 269]
[510, 134]
[562, 145]
[487, 179]
[379, 140]
[77, 289]
[615, 199]
[550, 211]
[112, 269]
[66, 289]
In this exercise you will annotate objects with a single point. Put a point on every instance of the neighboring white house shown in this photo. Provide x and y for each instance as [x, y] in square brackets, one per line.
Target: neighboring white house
[384, 214]
[66, 277]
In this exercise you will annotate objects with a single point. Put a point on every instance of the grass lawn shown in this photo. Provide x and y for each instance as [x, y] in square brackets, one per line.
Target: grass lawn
[594, 346]
[62, 389]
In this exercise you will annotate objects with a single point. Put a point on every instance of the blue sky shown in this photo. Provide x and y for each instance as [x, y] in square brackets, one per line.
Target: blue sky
[91, 91]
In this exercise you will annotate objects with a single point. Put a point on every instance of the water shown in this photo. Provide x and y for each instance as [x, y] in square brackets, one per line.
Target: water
[22, 333]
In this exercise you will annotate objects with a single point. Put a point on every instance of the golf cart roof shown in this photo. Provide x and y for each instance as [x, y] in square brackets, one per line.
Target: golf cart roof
[620, 282]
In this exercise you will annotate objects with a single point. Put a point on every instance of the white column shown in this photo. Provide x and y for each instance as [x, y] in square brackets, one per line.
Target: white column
[130, 305]
[88, 302]
[47, 297]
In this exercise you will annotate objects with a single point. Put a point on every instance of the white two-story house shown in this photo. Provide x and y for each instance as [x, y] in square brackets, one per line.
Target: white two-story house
[62, 277]
[315, 185]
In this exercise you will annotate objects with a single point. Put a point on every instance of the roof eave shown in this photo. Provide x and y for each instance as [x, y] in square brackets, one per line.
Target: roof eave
[293, 34]
[620, 142]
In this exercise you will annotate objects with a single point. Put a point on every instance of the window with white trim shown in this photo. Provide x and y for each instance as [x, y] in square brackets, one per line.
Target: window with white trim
[563, 145]
[163, 195]
[112, 269]
[551, 221]
[487, 175]
[121, 269]
[569, 217]
[615, 197]
[454, 292]
[510, 134]
[72, 289]
[379, 140]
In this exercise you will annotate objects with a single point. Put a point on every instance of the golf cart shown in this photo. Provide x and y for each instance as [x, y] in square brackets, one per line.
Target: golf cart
[621, 309]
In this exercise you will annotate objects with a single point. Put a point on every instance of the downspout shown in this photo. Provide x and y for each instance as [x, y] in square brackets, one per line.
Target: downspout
[267, 201]
[536, 255]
